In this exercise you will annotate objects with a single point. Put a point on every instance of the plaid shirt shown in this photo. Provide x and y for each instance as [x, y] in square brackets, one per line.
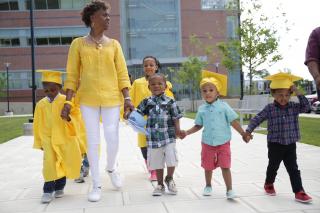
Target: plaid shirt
[283, 125]
[161, 112]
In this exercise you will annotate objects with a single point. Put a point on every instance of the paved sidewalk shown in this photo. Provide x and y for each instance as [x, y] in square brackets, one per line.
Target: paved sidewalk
[21, 181]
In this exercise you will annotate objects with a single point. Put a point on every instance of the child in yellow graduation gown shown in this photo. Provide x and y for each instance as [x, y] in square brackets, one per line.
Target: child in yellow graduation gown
[140, 91]
[58, 139]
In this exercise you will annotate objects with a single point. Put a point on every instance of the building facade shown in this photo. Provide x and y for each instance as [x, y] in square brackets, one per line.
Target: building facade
[144, 27]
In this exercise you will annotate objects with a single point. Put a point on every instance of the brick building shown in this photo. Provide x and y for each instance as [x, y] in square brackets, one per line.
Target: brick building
[144, 27]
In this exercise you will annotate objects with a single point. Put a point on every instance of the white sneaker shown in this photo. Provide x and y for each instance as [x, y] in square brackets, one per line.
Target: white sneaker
[46, 198]
[115, 179]
[95, 194]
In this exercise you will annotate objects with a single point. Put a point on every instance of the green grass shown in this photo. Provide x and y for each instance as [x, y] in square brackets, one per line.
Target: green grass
[11, 127]
[309, 129]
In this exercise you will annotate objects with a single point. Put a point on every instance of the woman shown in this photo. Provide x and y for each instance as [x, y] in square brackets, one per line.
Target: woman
[99, 63]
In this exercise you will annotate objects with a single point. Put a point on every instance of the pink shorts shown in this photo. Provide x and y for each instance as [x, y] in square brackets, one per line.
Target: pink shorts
[216, 156]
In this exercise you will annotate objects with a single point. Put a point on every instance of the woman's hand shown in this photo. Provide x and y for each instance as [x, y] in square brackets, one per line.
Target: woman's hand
[65, 112]
[128, 106]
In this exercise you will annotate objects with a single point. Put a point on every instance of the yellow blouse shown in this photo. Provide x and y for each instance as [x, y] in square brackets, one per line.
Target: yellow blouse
[59, 139]
[103, 73]
[140, 91]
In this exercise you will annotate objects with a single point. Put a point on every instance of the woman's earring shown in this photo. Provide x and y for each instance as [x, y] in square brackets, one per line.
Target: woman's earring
[92, 25]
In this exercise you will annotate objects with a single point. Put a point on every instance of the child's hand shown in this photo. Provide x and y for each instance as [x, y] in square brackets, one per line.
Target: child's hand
[182, 134]
[246, 136]
[294, 89]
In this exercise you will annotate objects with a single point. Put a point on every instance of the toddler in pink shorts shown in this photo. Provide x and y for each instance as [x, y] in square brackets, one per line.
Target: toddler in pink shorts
[216, 117]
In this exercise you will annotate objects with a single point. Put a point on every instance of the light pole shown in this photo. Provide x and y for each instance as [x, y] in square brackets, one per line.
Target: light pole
[7, 64]
[217, 66]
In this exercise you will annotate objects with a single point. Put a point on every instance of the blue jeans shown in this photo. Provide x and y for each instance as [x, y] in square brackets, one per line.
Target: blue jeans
[54, 185]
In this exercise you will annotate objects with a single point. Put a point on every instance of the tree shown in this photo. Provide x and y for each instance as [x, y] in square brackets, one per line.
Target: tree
[258, 43]
[2, 85]
[190, 74]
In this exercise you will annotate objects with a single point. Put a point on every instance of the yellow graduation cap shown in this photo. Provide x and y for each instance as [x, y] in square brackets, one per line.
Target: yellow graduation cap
[51, 76]
[219, 80]
[282, 80]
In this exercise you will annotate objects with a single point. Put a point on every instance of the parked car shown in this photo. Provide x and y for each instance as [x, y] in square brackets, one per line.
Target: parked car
[315, 107]
[312, 98]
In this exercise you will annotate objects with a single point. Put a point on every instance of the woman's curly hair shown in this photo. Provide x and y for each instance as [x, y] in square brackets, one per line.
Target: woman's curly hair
[91, 8]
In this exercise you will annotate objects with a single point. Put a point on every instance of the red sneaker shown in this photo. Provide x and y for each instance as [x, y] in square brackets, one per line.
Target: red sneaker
[269, 189]
[303, 197]
[153, 175]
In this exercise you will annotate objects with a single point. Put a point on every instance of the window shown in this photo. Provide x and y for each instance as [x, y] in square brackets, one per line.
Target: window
[232, 25]
[42, 41]
[56, 4]
[54, 41]
[218, 4]
[8, 42]
[9, 5]
[66, 40]
[53, 4]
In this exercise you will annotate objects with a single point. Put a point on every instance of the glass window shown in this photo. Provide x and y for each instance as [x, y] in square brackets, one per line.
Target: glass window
[53, 4]
[232, 25]
[15, 42]
[5, 42]
[40, 4]
[4, 5]
[66, 40]
[42, 41]
[13, 5]
[54, 41]
[212, 4]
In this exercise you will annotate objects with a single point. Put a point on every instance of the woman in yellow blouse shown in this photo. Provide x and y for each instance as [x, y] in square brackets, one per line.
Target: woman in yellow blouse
[140, 91]
[99, 63]
[59, 140]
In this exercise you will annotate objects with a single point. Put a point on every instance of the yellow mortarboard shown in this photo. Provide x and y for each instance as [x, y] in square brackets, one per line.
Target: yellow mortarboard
[219, 80]
[51, 76]
[282, 80]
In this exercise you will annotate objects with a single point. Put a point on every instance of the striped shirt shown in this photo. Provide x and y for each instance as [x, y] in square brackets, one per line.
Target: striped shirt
[161, 112]
[283, 124]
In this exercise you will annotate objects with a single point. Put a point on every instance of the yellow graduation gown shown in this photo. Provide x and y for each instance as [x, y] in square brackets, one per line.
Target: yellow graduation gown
[139, 91]
[58, 139]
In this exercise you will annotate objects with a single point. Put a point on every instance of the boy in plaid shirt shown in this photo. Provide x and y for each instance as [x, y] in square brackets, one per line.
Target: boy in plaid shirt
[283, 132]
[163, 127]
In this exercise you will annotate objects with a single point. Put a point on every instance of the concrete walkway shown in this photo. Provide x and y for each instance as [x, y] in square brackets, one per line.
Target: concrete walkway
[21, 181]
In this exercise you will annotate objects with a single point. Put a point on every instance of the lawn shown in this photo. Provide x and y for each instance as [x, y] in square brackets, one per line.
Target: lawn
[309, 128]
[11, 127]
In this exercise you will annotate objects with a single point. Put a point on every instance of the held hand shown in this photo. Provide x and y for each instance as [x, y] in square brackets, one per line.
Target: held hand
[182, 134]
[128, 106]
[65, 112]
[126, 114]
[246, 136]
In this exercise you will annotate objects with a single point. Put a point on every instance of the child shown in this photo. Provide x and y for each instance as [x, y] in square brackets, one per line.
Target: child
[140, 91]
[283, 132]
[216, 117]
[57, 138]
[163, 126]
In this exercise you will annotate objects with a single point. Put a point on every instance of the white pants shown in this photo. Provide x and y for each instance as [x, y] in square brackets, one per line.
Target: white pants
[110, 119]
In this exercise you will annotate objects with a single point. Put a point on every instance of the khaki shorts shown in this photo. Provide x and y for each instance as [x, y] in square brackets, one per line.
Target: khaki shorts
[159, 157]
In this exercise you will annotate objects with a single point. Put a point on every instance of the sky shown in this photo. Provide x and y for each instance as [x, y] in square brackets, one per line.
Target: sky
[303, 17]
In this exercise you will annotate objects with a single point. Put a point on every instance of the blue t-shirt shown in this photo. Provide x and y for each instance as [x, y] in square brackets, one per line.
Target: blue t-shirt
[215, 119]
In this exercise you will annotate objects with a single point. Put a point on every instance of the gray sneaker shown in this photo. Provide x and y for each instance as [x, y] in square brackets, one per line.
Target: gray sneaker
[85, 171]
[46, 198]
[171, 186]
[59, 193]
[158, 191]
